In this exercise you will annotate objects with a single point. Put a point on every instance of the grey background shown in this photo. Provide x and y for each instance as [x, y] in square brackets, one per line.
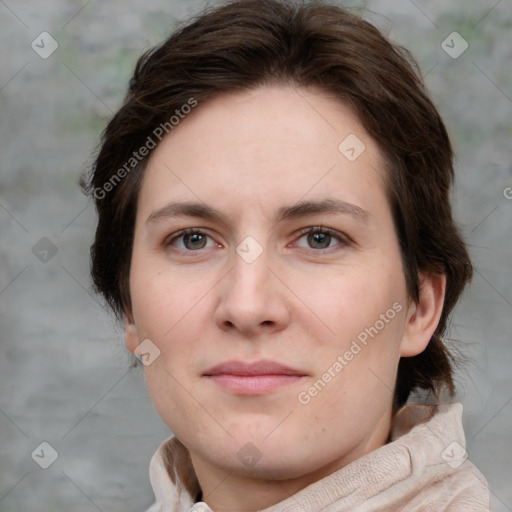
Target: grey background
[64, 371]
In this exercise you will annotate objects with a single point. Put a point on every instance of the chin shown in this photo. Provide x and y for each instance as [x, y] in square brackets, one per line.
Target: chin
[275, 469]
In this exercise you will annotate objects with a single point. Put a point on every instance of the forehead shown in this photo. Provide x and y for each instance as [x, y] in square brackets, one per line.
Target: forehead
[256, 150]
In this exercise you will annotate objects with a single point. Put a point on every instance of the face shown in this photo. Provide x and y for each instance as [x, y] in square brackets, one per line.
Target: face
[267, 272]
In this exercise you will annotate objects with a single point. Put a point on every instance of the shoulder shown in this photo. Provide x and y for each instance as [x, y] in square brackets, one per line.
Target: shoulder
[445, 479]
[462, 490]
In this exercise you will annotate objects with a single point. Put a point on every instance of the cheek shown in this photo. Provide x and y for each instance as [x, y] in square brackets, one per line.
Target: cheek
[164, 299]
[348, 301]
[364, 308]
[167, 396]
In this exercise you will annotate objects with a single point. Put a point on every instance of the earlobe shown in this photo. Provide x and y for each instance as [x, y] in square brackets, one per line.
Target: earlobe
[423, 316]
[131, 337]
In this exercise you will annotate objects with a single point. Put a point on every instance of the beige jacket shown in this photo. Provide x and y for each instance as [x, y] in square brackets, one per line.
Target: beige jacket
[424, 468]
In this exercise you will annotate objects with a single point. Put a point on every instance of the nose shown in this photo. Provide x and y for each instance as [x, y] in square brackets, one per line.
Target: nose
[251, 298]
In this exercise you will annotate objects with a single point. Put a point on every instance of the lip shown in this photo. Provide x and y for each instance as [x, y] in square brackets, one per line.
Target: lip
[252, 378]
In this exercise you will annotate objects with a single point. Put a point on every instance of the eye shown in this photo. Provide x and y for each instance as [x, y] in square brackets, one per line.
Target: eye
[321, 238]
[190, 240]
[317, 238]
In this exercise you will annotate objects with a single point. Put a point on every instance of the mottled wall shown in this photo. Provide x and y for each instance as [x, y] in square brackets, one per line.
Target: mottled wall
[64, 372]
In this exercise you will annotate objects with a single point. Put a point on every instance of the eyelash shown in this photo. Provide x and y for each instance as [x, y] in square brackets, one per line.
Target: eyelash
[342, 239]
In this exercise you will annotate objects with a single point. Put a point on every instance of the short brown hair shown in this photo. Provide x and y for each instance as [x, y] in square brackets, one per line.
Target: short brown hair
[248, 43]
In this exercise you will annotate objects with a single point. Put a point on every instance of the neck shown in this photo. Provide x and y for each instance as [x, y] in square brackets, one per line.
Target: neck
[223, 490]
[226, 491]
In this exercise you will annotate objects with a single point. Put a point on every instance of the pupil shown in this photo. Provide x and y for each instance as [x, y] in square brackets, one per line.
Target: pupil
[197, 240]
[322, 239]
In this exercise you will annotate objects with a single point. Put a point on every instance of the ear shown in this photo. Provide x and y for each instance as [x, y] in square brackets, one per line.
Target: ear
[423, 316]
[131, 336]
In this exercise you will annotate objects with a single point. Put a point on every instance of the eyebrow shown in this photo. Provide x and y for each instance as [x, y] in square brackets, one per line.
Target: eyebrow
[295, 211]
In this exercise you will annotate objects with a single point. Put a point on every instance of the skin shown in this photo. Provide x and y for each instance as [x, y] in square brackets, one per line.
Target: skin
[299, 303]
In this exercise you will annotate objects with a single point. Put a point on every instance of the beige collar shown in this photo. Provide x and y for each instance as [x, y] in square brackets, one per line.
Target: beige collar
[427, 447]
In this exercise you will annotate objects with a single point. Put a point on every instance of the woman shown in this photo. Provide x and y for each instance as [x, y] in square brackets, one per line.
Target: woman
[275, 232]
